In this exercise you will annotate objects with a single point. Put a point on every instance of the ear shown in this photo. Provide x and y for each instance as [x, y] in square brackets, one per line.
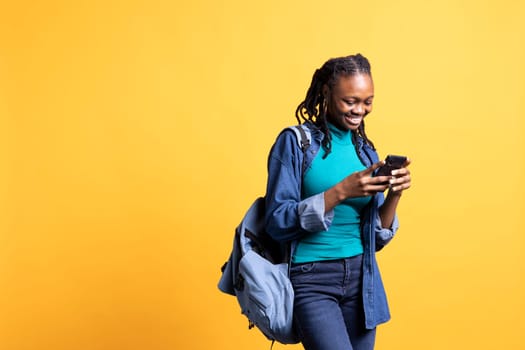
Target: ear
[326, 91]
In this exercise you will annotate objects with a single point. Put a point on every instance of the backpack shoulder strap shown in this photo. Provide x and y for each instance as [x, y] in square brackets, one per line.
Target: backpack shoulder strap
[303, 134]
[304, 138]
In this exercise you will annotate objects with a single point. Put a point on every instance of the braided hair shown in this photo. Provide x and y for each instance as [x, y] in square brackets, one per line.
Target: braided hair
[314, 106]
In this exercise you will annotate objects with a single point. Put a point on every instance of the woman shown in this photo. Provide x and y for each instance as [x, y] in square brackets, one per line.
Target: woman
[334, 214]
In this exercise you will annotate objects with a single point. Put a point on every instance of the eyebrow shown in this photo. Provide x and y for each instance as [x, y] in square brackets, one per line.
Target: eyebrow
[357, 98]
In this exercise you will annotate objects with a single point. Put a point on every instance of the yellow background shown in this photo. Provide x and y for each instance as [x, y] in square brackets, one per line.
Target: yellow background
[134, 134]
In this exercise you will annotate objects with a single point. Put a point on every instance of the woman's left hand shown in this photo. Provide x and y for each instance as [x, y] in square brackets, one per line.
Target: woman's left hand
[400, 180]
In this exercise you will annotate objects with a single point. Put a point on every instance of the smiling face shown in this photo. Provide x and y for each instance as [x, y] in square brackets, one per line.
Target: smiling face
[349, 100]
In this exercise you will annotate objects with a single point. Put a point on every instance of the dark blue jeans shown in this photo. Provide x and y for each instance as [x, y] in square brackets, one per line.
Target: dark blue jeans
[328, 308]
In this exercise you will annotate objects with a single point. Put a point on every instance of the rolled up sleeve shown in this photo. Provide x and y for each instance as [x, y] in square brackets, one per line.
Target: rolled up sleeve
[312, 214]
[384, 235]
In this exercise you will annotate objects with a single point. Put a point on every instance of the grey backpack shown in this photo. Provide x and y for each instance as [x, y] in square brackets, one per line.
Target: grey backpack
[257, 271]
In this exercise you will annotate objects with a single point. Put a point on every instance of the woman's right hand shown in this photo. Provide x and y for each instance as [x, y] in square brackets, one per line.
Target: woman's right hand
[358, 184]
[362, 183]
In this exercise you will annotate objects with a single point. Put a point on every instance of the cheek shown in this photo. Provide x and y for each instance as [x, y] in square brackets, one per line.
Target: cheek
[343, 108]
[337, 108]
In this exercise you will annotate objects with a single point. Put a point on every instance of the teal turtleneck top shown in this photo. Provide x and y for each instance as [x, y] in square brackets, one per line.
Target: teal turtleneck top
[343, 238]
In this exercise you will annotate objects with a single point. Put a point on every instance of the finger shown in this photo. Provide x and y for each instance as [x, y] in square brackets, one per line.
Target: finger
[401, 184]
[407, 162]
[400, 172]
[379, 180]
[401, 187]
[400, 180]
[373, 189]
[373, 167]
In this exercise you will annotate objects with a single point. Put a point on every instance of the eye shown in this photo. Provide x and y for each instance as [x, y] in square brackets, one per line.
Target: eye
[368, 102]
[350, 103]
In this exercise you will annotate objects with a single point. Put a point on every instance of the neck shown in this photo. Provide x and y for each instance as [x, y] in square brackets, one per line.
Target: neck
[338, 135]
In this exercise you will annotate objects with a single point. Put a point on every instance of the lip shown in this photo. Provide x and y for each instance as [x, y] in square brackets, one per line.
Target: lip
[353, 120]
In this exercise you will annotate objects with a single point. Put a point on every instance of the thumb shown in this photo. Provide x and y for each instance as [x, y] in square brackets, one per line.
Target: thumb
[373, 167]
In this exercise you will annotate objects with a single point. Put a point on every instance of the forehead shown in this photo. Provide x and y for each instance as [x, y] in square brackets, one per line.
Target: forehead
[356, 84]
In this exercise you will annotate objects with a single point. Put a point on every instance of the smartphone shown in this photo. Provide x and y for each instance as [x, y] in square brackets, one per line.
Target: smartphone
[391, 162]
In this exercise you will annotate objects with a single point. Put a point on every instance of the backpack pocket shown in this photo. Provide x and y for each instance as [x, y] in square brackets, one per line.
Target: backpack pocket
[266, 297]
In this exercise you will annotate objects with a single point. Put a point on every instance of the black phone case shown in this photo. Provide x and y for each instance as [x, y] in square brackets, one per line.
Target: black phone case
[391, 162]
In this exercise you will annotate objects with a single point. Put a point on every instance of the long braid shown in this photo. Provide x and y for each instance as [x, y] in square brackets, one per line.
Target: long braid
[314, 106]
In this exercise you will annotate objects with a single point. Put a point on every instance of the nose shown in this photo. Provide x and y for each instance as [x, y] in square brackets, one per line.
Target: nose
[358, 109]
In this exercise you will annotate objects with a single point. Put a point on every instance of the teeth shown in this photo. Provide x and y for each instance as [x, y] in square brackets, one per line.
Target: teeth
[354, 120]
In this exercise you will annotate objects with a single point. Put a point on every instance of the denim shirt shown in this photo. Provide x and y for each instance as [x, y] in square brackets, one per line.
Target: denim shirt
[288, 217]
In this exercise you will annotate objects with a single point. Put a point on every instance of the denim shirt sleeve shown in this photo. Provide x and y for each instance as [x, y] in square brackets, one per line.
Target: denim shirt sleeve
[384, 235]
[288, 217]
[312, 214]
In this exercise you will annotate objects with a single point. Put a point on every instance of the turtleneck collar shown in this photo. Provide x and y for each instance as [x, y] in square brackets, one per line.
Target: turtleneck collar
[342, 137]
